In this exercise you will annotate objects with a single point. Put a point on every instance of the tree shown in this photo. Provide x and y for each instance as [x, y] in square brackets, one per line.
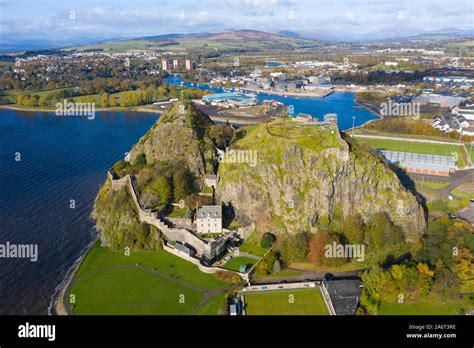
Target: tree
[104, 100]
[42, 101]
[162, 188]
[381, 232]
[140, 160]
[294, 247]
[316, 247]
[267, 240]
[182, 183]
[424, 270]
[353, 229]
[372, 289]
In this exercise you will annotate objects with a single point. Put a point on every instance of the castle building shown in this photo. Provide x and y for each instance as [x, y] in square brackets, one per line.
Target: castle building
[209, 219]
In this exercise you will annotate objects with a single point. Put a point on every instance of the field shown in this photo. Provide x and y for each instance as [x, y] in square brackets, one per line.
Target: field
[418, 147]
[235, 262]
[154, 282]
[306, 302]
[425, 308]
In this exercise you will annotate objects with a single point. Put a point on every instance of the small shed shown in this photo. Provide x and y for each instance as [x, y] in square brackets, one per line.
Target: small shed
[232, 309]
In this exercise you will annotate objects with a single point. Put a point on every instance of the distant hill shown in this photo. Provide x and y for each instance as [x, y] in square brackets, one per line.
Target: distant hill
[239, 35]
[252, 40]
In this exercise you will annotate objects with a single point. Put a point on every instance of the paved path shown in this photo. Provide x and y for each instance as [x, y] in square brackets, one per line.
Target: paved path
[305, 274]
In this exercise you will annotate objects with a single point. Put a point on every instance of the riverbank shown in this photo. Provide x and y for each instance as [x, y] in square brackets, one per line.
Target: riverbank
[58, 302]
[321, 94]
[130, 108]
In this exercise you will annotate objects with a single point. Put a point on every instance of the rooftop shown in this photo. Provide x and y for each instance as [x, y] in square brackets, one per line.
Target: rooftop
[214, 211]
[412, 159]
[344, 295]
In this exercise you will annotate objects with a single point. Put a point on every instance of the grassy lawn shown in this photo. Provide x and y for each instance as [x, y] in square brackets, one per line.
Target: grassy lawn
[122, 291]
[177, 212]
[212, 306]
[425, 308]
[165, 263]
[251, 245]
[467, 286]
[108, 282]
[413, 146]
[436, 185]
[306, 302]
[284, 273]
[207, 190]
[235, 262]
[462, 194]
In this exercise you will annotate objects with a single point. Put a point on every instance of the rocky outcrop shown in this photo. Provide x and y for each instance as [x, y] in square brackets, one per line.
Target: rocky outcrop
[179, 136]
[304, 174]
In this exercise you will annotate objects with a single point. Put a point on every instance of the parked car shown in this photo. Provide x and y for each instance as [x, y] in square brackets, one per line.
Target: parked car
[329, 276]
[227, 258]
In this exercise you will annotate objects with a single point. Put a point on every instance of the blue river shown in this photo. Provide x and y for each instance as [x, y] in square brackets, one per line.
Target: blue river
[342, 104]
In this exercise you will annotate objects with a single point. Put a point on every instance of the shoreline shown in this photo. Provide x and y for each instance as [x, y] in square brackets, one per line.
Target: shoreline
[127, 109]
[57, 306]
[321, 94]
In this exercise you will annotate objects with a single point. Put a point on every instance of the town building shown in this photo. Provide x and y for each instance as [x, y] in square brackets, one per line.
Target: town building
[421, 163]
[209, 219]
[467, 111]
[164, 65]
[189, 65]
[341, 295]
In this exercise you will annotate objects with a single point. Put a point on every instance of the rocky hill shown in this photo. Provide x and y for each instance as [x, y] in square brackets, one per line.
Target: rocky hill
[304, 175]
[179, 136]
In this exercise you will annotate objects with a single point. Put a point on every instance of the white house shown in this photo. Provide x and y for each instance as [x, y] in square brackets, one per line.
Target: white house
[209, 219]
[466, 111]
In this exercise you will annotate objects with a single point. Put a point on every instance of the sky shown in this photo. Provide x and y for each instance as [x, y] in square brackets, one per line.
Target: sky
[63, 20]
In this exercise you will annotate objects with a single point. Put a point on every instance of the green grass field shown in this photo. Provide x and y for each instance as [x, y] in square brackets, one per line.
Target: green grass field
[154, 282]
[251, 245]
[305, 302]
[413, 146]
[426, 308]
[212, 306]
[462, 194]
[235, 262]
[436, 185]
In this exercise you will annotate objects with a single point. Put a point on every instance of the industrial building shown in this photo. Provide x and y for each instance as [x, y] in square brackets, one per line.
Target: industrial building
[233, 99]
[421, 163]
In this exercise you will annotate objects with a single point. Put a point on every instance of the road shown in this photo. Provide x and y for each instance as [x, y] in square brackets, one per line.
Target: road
[305, 275]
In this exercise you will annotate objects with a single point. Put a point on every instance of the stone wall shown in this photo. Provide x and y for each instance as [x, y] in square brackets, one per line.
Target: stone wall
[202, 268]
[203, 248]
